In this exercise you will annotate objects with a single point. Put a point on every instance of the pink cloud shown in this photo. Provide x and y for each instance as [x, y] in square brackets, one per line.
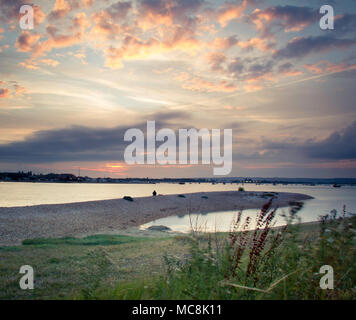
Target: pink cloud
[329, 67]
[216, 61]
[199, 84]
[60, 10]
[288, 18]
[224, 43]
[5, 93]
[26, 42]
[230, 11]
[19, 90]
[261, 44]
[135, 48]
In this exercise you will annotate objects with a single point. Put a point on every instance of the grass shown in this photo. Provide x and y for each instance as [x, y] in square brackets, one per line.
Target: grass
[96, 240]
[266, 263]
[73, 268]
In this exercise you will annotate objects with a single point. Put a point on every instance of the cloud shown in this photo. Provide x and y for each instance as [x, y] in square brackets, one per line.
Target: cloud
[215, 60]
[252, 73]
[225, 43]
[79, 143]
[49, 62]
[256, 43]
[119, 10]
[345, 23]
[165, 117]
[230, 11]
[302, 46]
[112, 21]
[132, 48]
[258, 71]
[63, 7]
[251, 70]
[71, 144]
[148, 28]
[250, 87]
[56, 40]
[60, 10]
[4, 93]
[325, 66]
[135, 48]
[287, 69]
[168, 12]
[9, 9]
[80, 21]
[236, 67]
[288, 18]
[199, 84]
[27, 41]
[19, 90]
[339, 145]
[87, 3]
[39, 15]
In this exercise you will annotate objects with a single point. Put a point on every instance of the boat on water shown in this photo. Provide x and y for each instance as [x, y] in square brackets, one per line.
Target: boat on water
[336, 185]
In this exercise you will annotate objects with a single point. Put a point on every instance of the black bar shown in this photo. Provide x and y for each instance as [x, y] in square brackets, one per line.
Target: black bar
[182, 309]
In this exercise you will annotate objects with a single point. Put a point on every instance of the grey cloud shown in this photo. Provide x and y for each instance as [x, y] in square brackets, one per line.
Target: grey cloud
[286, 17]
[9, 9]
[70, 144]
[337, 146]
[236, 67]
[346, 23]
[79, 143]
[119, 10]
[182, 11]
[300, 47]
[244, 69]
[285, 67]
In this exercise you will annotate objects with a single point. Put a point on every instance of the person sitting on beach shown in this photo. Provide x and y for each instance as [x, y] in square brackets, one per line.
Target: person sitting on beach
[154, 193]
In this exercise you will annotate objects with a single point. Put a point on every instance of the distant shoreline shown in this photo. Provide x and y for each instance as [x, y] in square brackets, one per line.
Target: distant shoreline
[84, 218]
[197, 182]
[30, 177]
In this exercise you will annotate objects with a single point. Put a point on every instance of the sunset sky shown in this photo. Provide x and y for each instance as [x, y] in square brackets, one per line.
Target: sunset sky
[91, 69]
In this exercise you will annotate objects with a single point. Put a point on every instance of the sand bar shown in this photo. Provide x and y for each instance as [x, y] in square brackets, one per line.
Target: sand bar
[83, 218]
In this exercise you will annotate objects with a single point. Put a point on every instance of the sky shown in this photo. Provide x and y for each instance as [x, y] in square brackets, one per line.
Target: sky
[90, 70]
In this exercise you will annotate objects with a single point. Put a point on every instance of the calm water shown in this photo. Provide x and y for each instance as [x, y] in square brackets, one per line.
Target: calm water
[326, 198]
[24, 194]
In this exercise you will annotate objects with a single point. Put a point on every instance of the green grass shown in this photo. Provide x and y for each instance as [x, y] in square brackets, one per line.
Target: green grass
[96, 240]
[77, 267]
[283, 265]
[194, 266]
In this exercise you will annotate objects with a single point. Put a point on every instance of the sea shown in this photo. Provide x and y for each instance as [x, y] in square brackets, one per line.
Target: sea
[326, 199]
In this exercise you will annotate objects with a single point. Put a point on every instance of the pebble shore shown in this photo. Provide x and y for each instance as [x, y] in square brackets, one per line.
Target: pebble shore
[85, 218]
